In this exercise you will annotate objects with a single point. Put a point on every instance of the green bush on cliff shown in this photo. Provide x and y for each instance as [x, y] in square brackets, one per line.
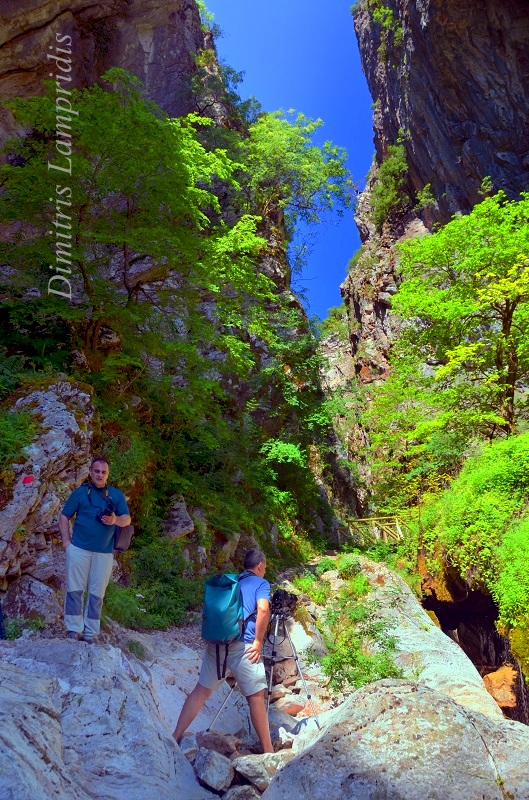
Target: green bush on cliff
[360, 645]
[480, 525]
[387, 195]
[17, 431]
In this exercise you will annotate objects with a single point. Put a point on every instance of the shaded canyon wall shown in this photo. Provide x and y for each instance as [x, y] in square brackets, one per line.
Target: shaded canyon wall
[450, 82]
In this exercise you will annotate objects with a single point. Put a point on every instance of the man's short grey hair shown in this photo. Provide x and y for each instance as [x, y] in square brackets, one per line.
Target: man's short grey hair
[253, 557]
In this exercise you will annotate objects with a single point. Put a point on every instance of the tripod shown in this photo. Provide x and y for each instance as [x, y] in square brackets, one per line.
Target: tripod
[278, 620]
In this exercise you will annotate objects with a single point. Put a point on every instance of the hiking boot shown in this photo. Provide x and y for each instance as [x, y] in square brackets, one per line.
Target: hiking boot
[72, 635]
[88, 639]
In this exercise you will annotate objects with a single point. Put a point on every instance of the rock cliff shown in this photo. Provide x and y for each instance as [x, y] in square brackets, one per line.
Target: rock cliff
[57, 462]
[154, 40]
[449, 80]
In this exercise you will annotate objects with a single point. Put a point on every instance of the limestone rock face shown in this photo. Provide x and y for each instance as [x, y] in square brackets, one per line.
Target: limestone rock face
[82, 721]
[260, 769]
[457, 87]
[154, 40]
[28, 597]
[214, 769]
[405, 742]
[423, 651]
[58, 461]
[178, 523]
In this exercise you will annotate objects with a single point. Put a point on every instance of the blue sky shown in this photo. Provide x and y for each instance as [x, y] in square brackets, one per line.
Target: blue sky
[303, 54]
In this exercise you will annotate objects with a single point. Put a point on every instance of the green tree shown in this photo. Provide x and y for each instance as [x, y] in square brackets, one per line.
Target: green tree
[285, 170]
[144, 221]
[465, 294]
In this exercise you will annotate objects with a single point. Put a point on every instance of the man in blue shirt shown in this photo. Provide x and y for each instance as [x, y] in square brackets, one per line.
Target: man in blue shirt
[244, 656]
[97, 508]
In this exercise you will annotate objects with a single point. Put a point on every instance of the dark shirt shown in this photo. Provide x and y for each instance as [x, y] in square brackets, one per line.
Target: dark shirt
[253, 588]
[88, 533]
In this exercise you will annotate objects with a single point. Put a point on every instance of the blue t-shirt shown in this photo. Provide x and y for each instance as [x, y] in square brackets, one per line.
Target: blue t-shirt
[88, 533]
[253, 588]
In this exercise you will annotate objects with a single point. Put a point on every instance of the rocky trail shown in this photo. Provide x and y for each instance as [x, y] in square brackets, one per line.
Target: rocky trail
[95, 721]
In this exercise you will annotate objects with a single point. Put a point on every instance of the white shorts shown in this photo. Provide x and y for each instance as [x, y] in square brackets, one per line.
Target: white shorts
[250, 677]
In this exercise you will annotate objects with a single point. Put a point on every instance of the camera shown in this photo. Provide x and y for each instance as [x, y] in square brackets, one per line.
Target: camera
[106, 511]
[283, 602]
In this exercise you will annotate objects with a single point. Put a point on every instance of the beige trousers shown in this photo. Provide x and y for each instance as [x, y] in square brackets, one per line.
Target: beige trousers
[85, 572]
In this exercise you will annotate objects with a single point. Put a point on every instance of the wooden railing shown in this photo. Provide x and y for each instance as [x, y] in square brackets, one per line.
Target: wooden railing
[374, 529]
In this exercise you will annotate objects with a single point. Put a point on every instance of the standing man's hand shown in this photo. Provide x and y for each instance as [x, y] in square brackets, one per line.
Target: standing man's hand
[116, 519]
[254, 652]
[64, 527]
[263, 617]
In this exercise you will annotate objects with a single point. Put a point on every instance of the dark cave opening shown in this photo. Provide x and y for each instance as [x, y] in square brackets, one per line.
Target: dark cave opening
[470, 622]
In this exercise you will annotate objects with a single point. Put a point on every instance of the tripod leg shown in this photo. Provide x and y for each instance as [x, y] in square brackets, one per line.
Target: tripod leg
[221, 709]
[274, 653]
[296, 660]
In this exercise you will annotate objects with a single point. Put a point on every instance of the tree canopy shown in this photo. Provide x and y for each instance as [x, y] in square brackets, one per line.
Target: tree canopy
[460, 366]
[466, 293]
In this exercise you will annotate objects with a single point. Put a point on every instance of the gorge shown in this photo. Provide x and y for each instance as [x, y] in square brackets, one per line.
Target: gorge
[183, 355]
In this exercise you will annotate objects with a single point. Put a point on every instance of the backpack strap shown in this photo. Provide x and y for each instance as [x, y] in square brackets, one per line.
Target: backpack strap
[221, 673]
[243, 575]
[90, 486]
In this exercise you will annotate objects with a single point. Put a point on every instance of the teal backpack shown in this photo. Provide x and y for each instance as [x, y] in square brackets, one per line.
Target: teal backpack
[222, 616]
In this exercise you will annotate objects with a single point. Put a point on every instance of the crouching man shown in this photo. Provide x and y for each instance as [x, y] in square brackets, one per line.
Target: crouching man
[97, 508]
[244, 656]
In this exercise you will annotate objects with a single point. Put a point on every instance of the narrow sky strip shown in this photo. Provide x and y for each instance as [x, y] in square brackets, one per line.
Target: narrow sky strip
[303, 55]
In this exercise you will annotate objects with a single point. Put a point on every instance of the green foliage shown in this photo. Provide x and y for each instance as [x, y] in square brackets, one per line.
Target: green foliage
[137, 649]
[336, 323]
[425, 198]
[14, 628]
[285, 170]
[479, 524]
[206, 16]
[354, 260]
[317, 590]
[160, 590]
[459, 369]
[349, 568]
[11, 368]
[17, 431]
[206, 379]
[216, 86]
[125, 605]
[388, 195]
[511, 588]
[130, 456]
[360, 645]
[325, 565]
[468, 284]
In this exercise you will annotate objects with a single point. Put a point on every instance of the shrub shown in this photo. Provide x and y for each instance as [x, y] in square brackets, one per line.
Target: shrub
[17, 430]
[325, 565]
[309, 584]
[361, 649]
[125, 605]
[388, 192]
[136, 648]
[15, 627]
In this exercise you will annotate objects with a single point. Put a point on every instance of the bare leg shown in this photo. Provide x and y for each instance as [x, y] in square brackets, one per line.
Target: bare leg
[260, 720]
[190, 709]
